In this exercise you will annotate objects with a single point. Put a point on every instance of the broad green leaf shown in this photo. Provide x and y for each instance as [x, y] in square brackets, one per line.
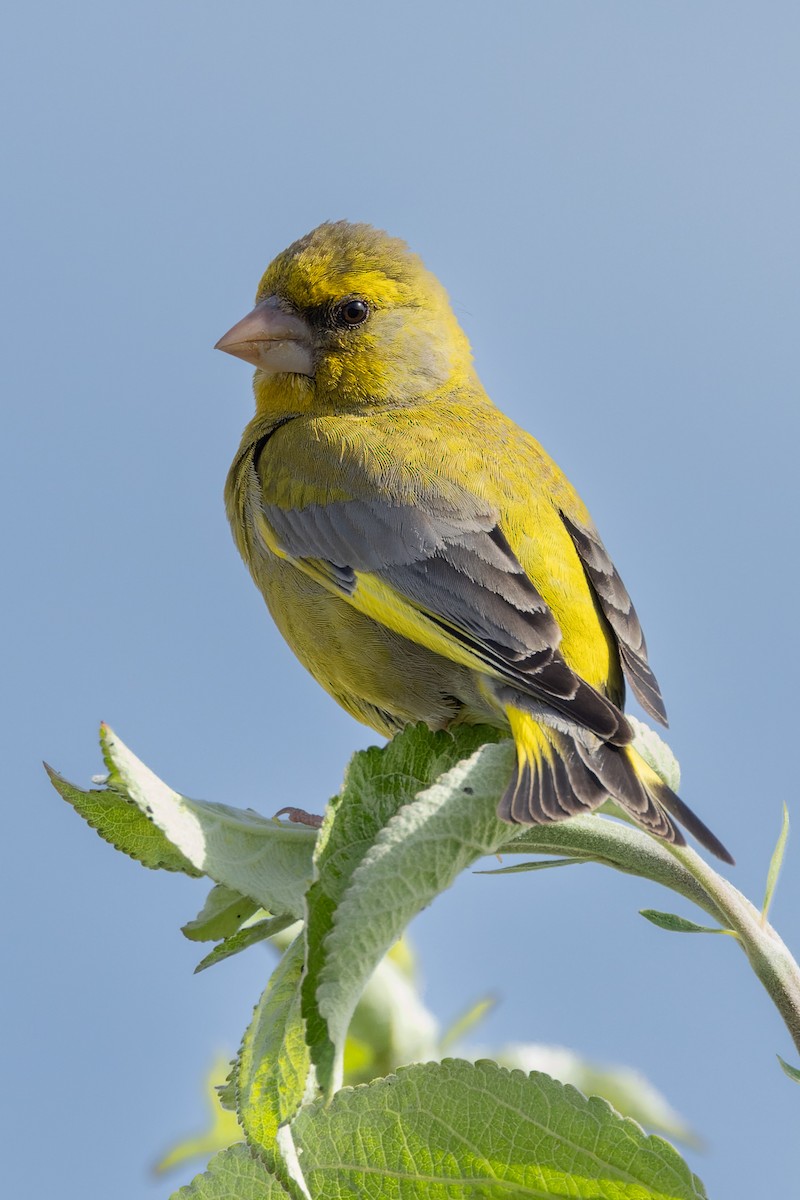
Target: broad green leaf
[273, 1066]
[676, 924]
[119, 821]
[451, 1130]
[627, 1090]
[380, 784]
[775, 864]
[792, 1072]
[223, 1128]
[656, 753]
[264, 859]
[221, 915]
[259, 931]
[235, 1174]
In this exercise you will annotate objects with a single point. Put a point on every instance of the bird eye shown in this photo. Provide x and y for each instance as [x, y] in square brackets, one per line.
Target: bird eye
[352, 312]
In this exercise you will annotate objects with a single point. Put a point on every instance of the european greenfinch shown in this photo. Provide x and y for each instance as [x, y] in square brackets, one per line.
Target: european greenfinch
[421, 554]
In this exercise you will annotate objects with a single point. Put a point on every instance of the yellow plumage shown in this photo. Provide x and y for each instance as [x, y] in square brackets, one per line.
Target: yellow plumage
[421, 554]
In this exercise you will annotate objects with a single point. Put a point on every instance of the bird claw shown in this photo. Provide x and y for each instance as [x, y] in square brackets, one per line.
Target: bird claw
[300, 817]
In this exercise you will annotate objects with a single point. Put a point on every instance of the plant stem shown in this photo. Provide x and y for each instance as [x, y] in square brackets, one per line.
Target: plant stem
[769, 957]
[683, 871]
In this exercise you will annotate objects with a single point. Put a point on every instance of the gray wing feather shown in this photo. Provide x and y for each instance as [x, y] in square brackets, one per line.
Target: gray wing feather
[368, 534]
[618, 609]
[456, 566]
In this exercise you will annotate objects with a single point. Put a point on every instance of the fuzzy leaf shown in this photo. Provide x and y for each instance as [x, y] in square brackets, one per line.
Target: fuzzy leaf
[775, 864]
[119, 821]
[346, 941]
[272, 1070]
[457, 1130]
[235, 1174]
[676, 924]
[521, 868]
[792, 1072]
[266, 860]
[243, 939]
[656, 753]
[221, 915]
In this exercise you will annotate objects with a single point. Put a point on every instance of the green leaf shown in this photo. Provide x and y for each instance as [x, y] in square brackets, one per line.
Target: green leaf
[676, 924]
[775, 864]
[656, 753]
[467, 1022]
[226, 1089]
[223, 1127]
[792, 1072]
[443, 1131]
[273, 1065]
[390, 1027]
[264, 859]
[627, 1090]
[235, 1174]
[519, 868]
[119, 821]
[243, 939]
[221, 915]
[345, 943]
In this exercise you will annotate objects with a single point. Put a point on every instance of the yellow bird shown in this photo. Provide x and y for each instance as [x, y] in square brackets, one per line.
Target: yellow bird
[420, 553]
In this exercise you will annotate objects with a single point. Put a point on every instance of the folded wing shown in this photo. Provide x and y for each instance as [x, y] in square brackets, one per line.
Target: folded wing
[446, 576]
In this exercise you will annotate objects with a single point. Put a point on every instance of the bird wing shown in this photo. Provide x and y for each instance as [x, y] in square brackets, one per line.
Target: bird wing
[617, 607]
[442, 573]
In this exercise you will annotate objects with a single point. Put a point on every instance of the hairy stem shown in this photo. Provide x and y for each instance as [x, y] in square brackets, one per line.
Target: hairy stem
[681, 870]
[769, 957]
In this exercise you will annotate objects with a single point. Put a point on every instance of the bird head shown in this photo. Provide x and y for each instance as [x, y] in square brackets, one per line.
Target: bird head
[348, 317]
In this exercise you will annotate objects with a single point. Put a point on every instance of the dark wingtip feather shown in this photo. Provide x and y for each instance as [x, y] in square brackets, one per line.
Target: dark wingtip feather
[652, 704]
[644, 684]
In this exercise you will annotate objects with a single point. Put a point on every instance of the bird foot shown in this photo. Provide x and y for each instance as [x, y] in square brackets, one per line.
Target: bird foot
[300, 817]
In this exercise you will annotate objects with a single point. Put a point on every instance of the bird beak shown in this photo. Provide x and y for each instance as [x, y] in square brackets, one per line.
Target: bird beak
[272, 340]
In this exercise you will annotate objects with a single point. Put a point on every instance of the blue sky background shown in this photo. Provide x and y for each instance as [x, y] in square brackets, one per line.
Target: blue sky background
[610, 193]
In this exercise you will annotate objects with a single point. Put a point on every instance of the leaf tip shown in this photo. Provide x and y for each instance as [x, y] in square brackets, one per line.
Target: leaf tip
[792, 1072]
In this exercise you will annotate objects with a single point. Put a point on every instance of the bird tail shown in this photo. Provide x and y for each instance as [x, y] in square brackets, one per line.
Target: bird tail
[557, 776]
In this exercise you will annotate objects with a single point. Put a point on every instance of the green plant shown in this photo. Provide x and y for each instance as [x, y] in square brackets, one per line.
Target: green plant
[409, 818]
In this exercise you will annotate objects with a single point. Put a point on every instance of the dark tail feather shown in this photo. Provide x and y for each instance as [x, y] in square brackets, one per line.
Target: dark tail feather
[558, 777]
